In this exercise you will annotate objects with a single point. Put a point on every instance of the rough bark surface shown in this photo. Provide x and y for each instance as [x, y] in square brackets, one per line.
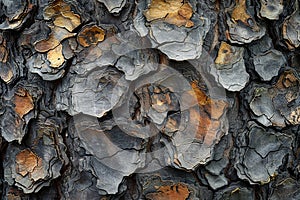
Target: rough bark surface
[149, 99]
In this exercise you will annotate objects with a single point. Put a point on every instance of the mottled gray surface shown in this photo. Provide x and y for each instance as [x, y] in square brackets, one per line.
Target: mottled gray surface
[262, 155]
[271, 9]
[113, 6]
[235, 192]
[99, 98]
[97, 101]
[232, 76]
[267, 60]
[137, 63]
[262, 106]
[268, 65]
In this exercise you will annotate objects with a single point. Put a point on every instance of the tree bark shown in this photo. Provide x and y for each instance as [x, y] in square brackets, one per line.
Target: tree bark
[149, 99]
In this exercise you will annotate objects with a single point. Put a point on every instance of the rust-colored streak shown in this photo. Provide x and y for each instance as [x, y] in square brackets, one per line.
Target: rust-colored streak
[206, 117]
[26, 162]
[200, 120]
[202, 98]
[23, 102]
[177, 191]
[175, 12]
[90, 36]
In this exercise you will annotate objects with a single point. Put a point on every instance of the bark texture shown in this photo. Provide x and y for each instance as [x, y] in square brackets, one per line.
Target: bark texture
[149, 99]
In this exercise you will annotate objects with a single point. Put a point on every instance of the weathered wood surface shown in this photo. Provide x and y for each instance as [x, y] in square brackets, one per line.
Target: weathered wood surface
[149, 99]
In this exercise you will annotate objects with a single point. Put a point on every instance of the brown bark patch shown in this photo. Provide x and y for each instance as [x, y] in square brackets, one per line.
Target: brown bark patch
[225, 54]
[175, 12]
[23, 102]
[56, 57]
[207, 116]
[240, 12]
[26, 162]
[90, 35]
[177, 191]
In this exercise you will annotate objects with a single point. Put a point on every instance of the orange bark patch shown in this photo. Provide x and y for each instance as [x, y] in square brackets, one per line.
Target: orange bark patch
[26, 162]
[225, 54]
[62, 14]
[160, 101]
[178, 191]
[13, 197]
[56, 57]
[23, 102]
[174, 12]
[240, 12]
[67, 20]
[6, 72]
[90, 36]
[206, 117]
[202, 98]
[206, 126]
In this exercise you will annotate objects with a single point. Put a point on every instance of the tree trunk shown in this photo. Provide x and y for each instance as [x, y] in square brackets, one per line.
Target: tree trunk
[149, 99]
